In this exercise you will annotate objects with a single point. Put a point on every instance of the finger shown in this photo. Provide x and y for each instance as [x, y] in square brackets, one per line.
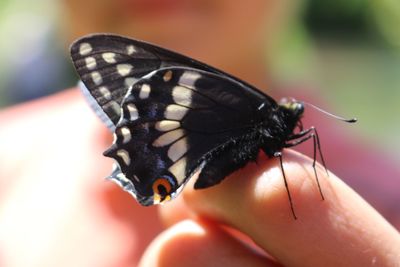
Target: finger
[176, 211]
[343, 230]
[191, 243]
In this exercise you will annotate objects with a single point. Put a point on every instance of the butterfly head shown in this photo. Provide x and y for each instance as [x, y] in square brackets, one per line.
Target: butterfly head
[294, 107]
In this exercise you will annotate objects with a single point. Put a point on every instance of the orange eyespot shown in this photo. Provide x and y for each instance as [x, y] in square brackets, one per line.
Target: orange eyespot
[161, 189]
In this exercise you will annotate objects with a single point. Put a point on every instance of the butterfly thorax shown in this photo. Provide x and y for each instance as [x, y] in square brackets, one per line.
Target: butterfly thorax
[278, 126]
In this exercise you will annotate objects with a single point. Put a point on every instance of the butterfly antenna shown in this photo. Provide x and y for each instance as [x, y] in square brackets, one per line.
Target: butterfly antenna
[330, 114]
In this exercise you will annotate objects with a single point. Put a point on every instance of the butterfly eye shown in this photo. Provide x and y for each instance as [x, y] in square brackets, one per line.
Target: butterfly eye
[161, 190]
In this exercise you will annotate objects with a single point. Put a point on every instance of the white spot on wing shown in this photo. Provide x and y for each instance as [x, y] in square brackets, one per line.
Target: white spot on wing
[130, 81]
[175, 112]
[85, 48]
[90, 63]
[133, 112]
[166, 125]
[96, 77]
[130, 49]
[144, 91]
[105, 92]
[109, 57]
[178, 169]
[188, 79]
[168, 138]
[124, 69]
[126, 135]
[178, 149]
[124, 155]
[182, 95]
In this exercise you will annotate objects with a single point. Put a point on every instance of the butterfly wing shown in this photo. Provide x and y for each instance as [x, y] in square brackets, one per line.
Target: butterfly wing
[109, 64]
[173, 121]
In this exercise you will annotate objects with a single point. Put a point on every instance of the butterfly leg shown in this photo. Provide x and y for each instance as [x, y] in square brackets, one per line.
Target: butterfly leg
[302, 133]
[279, 155]
[317, 143]
[302, 137]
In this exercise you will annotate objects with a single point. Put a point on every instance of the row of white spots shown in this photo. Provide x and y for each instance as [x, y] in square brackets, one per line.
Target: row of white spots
[189, 78]
[133, 112]
[126, 135]
[175, 112]
[124, 69]
[178, 169]
[182, 95]
[86, 48]
[144, 91]
[166, 125]
[124, 155]
[168, 138]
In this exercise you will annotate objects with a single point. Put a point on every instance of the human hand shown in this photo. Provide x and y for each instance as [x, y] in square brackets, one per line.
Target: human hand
[343, 230]
[55, 208]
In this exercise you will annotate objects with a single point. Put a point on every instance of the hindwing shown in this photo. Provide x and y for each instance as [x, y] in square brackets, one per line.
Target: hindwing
[175, 119]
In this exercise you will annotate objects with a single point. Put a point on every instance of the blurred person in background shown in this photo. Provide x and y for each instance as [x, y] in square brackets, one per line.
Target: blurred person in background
[55, 209]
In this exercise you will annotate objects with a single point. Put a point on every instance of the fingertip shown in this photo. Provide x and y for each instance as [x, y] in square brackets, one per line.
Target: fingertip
[193, 243]
[259, 190]
[164, 249]
[254, 200]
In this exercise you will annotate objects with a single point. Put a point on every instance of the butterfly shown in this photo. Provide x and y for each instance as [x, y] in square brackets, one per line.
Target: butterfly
[173, 116]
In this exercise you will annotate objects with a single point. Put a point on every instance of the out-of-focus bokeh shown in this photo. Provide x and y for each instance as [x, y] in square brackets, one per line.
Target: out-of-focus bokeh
[348, 49]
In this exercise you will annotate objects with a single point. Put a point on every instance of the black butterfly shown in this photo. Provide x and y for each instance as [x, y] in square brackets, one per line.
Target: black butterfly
[172, 116]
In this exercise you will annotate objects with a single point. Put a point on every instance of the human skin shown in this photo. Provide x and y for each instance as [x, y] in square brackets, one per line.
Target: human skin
[342, 230]
[56, 209]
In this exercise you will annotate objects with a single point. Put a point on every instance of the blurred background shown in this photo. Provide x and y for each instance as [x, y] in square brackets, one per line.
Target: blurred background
[348, 49]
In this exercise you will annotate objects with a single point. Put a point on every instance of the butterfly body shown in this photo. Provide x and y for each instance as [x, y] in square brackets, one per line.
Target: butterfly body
[173, 116]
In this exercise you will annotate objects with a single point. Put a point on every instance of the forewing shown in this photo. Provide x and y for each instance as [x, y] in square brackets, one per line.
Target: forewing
[173, 120]
[108, 65]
